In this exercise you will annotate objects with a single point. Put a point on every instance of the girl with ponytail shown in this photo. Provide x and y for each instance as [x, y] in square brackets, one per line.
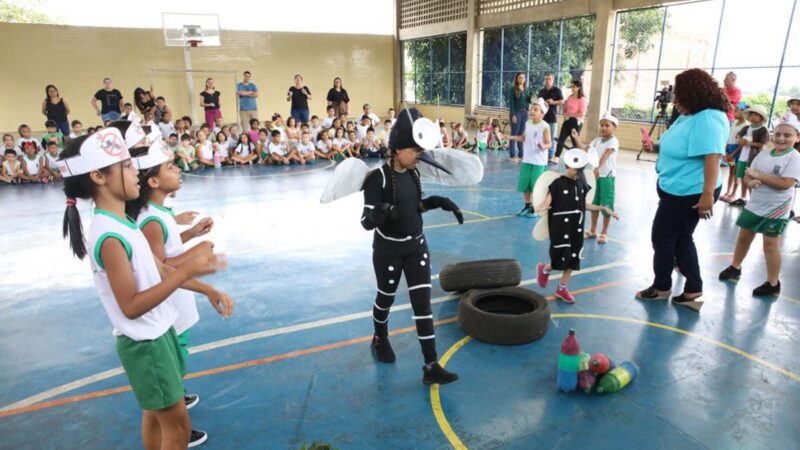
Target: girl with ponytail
[132, 286]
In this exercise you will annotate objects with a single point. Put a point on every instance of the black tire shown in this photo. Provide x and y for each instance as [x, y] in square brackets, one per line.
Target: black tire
[484, 274]
[505, 316]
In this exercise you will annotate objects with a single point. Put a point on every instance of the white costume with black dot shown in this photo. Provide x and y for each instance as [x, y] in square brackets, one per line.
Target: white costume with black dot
[399, 248]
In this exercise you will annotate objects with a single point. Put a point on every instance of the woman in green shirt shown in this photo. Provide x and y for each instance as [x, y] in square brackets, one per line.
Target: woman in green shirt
[518, 103]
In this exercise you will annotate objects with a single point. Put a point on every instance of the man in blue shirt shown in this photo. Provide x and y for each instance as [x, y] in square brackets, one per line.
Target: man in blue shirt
[248, 92]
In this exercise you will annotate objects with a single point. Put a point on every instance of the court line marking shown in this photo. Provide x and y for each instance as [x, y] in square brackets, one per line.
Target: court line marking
[475, 213]
[77, 384]
[257, 362]
[455, 441]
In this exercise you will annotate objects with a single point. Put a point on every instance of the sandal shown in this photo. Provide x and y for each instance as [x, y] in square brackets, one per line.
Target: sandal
[589, 235]
[652, 293]
[692, 303]
[603, 239]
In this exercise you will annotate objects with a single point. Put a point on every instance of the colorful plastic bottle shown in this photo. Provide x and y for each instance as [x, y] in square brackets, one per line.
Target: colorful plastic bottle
[586, 378]
[569, 363]
[618, 378]
[600, 364]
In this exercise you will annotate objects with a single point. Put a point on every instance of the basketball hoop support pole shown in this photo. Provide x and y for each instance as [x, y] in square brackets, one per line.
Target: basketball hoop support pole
[187, 64]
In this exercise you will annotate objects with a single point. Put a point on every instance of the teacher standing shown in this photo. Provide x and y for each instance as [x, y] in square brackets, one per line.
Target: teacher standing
[210, 102]
[56, 109]
[299, 95]
[518, 103]
[688, 184]
[338, 98]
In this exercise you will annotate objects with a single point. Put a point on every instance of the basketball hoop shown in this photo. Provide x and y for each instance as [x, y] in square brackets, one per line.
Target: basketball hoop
[193, 42]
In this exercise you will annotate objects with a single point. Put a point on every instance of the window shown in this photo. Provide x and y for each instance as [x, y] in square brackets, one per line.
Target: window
[653, 45]
[434, 69]
[563, 47]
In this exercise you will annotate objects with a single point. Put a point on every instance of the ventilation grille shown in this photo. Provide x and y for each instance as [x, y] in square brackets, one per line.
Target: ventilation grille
[499, 6]
[414, 13]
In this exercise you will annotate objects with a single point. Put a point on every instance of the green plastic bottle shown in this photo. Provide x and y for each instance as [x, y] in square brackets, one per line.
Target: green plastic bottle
[618, 378]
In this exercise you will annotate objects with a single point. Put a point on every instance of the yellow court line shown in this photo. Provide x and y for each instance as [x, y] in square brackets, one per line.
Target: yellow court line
[475, 213]
[487, 219]
[436, 403]
[456, 442]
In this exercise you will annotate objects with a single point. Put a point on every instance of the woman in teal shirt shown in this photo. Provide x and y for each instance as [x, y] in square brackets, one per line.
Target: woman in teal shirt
[688, 184]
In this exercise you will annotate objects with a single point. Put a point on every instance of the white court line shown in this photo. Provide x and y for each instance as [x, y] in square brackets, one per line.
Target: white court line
[77, 384]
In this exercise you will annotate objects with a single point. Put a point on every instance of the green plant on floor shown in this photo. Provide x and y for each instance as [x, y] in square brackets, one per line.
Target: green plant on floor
[318, 446]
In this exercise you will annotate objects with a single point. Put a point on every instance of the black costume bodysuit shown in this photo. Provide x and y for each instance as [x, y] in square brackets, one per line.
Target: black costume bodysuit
[565, 219]
[399, 247]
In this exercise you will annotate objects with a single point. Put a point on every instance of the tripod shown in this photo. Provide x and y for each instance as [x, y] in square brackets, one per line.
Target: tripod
[659, 126]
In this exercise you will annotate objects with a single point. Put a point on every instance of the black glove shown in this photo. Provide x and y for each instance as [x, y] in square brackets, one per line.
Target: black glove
[381, 212]
[445, 203]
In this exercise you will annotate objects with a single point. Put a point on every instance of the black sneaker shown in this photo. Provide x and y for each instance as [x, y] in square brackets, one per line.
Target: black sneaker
[437, 374]
[382, 349]
[767, 289]
[191, 400]
[738, 202]
[730, 274]
[197, 438]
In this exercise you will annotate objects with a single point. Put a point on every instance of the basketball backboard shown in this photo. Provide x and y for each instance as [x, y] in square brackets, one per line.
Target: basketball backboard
[191, 30]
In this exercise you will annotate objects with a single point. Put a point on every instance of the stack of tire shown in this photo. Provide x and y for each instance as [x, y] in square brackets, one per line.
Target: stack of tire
[493, 308]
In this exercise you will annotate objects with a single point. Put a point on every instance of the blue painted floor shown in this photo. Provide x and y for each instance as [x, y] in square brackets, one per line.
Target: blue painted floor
[293, 363]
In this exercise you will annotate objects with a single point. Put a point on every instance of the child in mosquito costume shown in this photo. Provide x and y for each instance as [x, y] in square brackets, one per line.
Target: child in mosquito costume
[393, 207]
[565, 199]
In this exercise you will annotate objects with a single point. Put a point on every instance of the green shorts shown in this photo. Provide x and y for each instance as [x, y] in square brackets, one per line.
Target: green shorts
[741, 168]
[528, 175]
[757, 224]
[604, 193]
[154, 369]
[183, 341]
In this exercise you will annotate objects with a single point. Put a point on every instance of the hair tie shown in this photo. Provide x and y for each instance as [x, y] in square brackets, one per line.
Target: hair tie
[72, 201]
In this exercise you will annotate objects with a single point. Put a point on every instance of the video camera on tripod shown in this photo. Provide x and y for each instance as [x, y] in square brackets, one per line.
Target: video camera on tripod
[664, 97]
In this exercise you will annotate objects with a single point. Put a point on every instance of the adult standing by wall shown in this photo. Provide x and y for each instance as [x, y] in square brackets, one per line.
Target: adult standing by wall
[145, 101]
[56, 108]
[574, 113]
[210, 102]
[733, 93]
[338, 98]
[299, 95]
[688, 183]
[111, 102]
[554, 98]
[248, 92]
[519, 101]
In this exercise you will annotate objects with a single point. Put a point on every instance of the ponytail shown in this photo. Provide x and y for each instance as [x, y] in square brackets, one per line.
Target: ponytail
[74, 228]
[134, 207]
[76, 187]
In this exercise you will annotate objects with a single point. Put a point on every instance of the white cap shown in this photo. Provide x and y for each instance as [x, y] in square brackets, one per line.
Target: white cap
[540, 101]
[135, 134]
[156, 155]
[100, 150]
[610, 117]
[792, 121]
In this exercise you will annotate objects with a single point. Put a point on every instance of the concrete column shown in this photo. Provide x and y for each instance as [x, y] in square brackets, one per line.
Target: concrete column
[601, 64]
[398, 60]
[472, 63]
